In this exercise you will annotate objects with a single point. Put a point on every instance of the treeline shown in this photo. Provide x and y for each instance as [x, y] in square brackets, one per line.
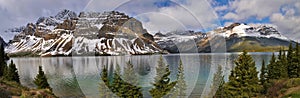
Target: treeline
[127, 85]
[244, 81]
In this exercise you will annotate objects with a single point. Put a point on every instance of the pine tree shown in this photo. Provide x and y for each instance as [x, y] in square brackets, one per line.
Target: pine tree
[217, 80]
[123, 89]
[296, 59]
[129, 75]
[41, 80]
[162, 83]
[273, 68]
[160, 69]
[263, 77]
[243, 80]
[283, 64]
[12, 73]
[104, 90]
[293, 64]
[220, 93]
[2, 60]
[117, 82]
[181, 86]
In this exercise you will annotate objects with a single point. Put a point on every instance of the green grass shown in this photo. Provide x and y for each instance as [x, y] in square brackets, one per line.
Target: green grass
[253, 46]
[293, 95]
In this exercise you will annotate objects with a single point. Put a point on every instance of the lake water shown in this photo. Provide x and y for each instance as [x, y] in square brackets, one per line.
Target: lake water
[80, 76]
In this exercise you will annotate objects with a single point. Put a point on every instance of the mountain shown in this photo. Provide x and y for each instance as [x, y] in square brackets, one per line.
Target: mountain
[89, 33]
[235, 38]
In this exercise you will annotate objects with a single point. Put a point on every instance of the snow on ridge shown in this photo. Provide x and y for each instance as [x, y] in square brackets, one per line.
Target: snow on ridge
[254, 31]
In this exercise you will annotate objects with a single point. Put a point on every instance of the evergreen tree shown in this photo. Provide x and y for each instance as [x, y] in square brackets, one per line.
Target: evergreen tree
[273, 69]
[12, 73]
[123, 89]
[296, 59]
[181, 86]
[293, 63]
[117, 82]
[2, 60]
[263, 77]
[160, 69]
[217, 80]
[41, 80]
[104, 90]
[129, 75]
[243, 80]
[162, 83]
[282, 65]
[220, 93]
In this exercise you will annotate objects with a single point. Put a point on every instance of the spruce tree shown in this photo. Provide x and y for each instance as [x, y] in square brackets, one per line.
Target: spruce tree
[296, 59]
[104, 90]
[263, 77]
[129, 75]
[162, 83]
[2, 60]
[123, 89]
[273, 69]
[12, 73]
[41, 80]
[283, 64]
[243, 80]
[181, 86]
[217, 80]
[117, 82]
[293, 64]
[220, 93]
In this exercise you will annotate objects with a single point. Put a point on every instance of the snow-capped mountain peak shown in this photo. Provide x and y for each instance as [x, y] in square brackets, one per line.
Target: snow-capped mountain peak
[240, 30]
[91, 33]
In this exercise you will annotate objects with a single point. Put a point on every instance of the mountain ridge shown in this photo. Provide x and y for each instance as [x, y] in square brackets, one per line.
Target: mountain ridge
[89, 33]
[114, 33]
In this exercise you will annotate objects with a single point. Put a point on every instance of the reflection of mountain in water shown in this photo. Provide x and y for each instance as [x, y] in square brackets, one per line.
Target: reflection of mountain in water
[79, 76]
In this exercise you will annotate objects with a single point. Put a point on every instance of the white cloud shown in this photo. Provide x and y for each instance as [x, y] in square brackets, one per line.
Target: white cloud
[221, 8]
[160, 22]
[257, 8]
[231, 15]
[192, 14]
[289, 25]
[283, 13]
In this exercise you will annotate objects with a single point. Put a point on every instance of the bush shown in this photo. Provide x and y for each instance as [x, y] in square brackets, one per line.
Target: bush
[293, 82]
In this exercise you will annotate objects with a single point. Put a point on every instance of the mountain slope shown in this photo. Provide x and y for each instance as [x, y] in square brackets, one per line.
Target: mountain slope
[235, 38]
[89, 33]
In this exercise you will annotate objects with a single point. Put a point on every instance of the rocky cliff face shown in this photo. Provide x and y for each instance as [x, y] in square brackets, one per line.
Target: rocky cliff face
[89, 33]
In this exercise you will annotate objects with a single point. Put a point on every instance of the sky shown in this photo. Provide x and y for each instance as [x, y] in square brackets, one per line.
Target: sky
[164, 15]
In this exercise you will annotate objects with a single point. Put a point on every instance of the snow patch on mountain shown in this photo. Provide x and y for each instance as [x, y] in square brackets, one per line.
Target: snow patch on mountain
[253, 31]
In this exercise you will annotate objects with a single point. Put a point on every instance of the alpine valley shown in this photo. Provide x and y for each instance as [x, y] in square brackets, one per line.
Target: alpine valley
[115, 33]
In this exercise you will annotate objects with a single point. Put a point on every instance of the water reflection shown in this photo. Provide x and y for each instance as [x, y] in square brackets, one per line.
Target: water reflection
[80, 76]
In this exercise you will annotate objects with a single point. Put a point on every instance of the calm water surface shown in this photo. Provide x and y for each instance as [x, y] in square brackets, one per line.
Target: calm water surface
[80, 76]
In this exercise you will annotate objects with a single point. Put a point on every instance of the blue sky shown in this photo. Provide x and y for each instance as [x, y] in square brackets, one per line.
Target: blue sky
[164, 15]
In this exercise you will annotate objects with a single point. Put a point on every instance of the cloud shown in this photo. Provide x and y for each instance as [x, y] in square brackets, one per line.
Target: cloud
[288, 24]
[192, 14]
[161, 15]
[231, 15]
[283, 13]
[221, 8]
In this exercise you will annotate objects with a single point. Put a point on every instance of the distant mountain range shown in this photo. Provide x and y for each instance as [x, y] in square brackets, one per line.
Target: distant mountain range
[234, 38]
[115, 33]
